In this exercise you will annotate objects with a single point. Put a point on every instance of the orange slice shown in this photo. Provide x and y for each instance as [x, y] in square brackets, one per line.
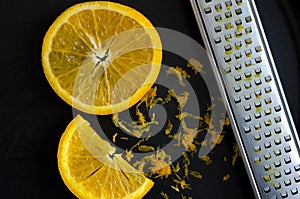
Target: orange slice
[101, 175]
[101, 57]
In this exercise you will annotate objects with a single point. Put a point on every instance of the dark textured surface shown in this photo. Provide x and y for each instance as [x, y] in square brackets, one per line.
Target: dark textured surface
[33, 117]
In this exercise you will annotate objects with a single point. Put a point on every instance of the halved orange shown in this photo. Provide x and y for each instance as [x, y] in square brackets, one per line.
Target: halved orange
[101, 57]
[91, 169]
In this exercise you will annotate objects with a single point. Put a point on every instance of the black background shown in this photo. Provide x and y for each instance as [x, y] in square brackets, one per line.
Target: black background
[33, 117]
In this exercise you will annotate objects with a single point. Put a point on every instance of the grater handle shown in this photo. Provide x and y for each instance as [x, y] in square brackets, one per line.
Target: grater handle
[246, 73]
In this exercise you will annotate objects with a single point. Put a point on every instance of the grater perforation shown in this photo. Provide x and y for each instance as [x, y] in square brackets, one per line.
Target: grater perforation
[251, 88]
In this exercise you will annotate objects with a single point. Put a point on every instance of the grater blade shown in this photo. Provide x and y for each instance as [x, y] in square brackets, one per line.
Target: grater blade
[259, 113]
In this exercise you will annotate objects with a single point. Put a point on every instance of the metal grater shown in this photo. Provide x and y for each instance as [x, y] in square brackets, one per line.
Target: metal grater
[251, 88]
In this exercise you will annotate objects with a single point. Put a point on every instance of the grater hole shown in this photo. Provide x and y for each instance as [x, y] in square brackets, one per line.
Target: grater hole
[277, 175]
[277, 130]
[268, 89]
[268, 100]
[228, 26]
[248, 19]
[258, 49]
[258, 82]
[277, 119]
[238, 34]
[277, 141]
[277, 163]
[268, 78]
[297, 167]
[218, 18]
[287, 148]
[277, 152]
[247, 96]
[207, 10]
[294, 191]
[218, 7]
[287, 182]
[277, 108]
[227, 59]
[277, 185]
[227, 70]
[257, 115]
[287, 171]
[218, 40]
[297, 179]
[268, 112]
[267, 167]
[248, 74]
[267, 178]
[257, 104]
[238, 22]
[248, 30]
[237, 77]
[284, 194]
[257, 126]
[228, 48]
[228, 37]
[218, 29]
[238, 11]
[258, 60]
[267, 145]
[208, 1]
[239, 2]
[237, 89]
[228, 14]
[287, 160]
[237, 100]
[258, 93]
[247, 118]
[248, 41]
[247, 129]
[238, 45]
[238, 67]
[257, 137]
[287, 138]
[257, 159]
[257, 148]
[268, 123]
[247, 107]
[238, 55]
[228, 4]
[267, 189]
[268, 134]
[248, 52]
[248, 85]
[258, 71]
[267, 156]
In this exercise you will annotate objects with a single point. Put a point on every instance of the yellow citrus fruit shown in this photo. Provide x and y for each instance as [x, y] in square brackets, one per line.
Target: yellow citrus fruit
[90, 168]
[101, 57]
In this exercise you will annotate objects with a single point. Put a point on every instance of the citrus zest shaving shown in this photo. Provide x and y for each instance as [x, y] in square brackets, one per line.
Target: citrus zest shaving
[146, 148]
[186, 163]
[196, 174]
[195, 65]
[158, 163]
[181, 183]
[236, 153]
[226, 177]
[179, 73]
[206, 159]
[164, 195]
[176, 168]
[114, 137]
[169, 128]
[129, 155]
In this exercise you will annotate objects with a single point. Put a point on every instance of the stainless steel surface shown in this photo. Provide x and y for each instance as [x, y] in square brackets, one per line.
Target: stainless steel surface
[252, 91]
